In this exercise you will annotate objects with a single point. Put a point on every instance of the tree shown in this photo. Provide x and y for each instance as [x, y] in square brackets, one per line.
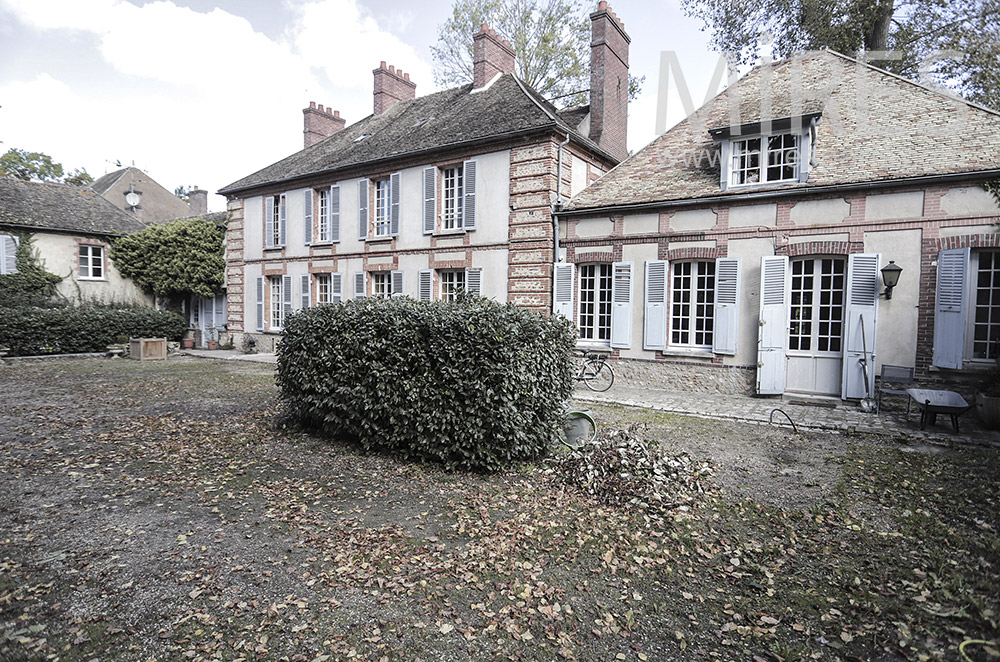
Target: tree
[550, 38]
[183, 192]
[30, 284]
[27, 166]
[957, 42]
[177, 258]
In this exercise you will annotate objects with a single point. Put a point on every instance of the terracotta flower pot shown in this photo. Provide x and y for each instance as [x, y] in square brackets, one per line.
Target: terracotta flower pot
[187, 343]
[212, 344]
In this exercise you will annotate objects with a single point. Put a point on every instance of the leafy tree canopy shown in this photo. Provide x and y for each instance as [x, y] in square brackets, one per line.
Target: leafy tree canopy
[550, 38]
[176, 258]
[36, 166]
[956, 42]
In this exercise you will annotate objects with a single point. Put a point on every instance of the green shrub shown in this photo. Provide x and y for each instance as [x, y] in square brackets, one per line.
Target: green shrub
[30, 331]
[473, 385]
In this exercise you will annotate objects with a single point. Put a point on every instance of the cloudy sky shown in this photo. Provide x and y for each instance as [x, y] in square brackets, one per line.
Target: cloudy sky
[203, 92]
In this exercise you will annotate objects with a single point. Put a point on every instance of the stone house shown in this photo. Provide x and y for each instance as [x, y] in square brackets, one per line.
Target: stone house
[428, 195]
[741, 251]
[132, 190]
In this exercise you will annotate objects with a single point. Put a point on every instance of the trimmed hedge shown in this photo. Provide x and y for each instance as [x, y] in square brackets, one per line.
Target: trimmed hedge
[472, 385]
[29, 331]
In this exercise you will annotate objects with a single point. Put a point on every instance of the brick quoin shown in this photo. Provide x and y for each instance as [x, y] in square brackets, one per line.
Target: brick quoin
[234, 264]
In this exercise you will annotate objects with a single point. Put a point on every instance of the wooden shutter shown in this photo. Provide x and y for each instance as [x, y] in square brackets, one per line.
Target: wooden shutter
[269, 222]
[773, 334]
[220, 310]
[282, 220]
[395, 196]
[654, 331]
[474, 281]
[621, 305]
[430, 200]
[363, 209]
[333, 209]
[727, 305]
[337, 288]
[396, 284]
[425, 285]
[307, 216]
[260, 303]
[359, 285]
[8, 257]
[562, 299]
[286, 299]
[305, 291]
[950, 308]
[469, 208]
[860, 325]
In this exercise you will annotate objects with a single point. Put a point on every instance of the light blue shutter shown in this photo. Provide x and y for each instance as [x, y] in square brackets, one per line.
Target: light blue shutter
[333, 209]
[425, 285]
[395, 196]
[621, 305]
[562, 299]
[269, 222]
[8, 257]
[286, 299]
[282, 221]
[359, 285]
[430, 200]
[220, 310]
[307, 216]
[363, 209]
[774, 295]
[474, 281]
[305, 290]
[727, 305]
[654, 328]
[950, 308]
[396, 283]
[860, 323]
[260, 303]
[337, 287]
[469, 210]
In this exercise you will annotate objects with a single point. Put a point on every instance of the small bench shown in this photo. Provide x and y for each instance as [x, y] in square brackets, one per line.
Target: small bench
[932, 403]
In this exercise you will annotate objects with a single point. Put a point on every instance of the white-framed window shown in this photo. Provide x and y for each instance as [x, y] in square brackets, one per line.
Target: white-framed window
[452, 190]
[91, 262]
[277, 297]
[323, 225]
[764, 159]
[274, 221]
[382, 284]
[324, 291]
[967, 308]
[983, 340]
[595, 302]
[452, 282]
[8, 254]
[692, 303]
[816, 313]
[383, 203]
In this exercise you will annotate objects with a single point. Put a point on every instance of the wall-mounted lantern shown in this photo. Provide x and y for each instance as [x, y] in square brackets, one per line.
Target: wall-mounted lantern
[890, 277]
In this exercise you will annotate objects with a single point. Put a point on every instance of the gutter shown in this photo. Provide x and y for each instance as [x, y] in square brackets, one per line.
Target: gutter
[39, 228]
[785, 193]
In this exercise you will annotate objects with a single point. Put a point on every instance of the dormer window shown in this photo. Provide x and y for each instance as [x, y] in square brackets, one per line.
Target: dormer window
[766, 153]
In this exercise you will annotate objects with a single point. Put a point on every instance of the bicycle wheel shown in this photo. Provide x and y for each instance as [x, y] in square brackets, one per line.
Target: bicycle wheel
[598, 376]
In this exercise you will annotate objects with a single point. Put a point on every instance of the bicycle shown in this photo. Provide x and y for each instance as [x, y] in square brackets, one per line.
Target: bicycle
[595, 371]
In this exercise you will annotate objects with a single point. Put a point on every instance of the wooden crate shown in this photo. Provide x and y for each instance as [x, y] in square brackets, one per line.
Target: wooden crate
[145, 349]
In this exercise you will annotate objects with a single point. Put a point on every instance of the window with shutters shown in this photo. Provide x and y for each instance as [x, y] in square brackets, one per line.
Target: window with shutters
[277, 297]
[323, 222]
[451, 197]
[816, 313]
[452, 282]
[382, 284]
[324, 291]
[274, 223]
[595, 302]
[764, 159]
[91, 262]
[383, 205]
[8, 254]
[984, 331]
[692, 303]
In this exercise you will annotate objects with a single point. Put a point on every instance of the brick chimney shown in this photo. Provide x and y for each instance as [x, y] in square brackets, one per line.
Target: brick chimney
[198, 201]
[491, 55]
[608, 81]
[319, 123]
[391, 87]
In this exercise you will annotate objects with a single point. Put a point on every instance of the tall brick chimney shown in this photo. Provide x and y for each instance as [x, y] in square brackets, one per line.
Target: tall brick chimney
[608, 81]
[319, 123]
[491, 55]
[391, 87]
[198, 201]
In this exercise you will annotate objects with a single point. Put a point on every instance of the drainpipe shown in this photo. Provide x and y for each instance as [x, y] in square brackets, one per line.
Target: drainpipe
[558, 204]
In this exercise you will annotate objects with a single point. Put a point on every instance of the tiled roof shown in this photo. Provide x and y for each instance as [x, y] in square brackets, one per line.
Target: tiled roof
[61, 207]
[874, 127]
[440, 120]
[104, 182]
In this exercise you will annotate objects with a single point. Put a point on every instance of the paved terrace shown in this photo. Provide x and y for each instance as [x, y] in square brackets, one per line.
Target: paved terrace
[819, 414]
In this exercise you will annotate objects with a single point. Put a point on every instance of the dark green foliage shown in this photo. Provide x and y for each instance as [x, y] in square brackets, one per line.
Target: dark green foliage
[30, 331]
[473, 385]
[176, 258]
[27, 166]
[31, 285]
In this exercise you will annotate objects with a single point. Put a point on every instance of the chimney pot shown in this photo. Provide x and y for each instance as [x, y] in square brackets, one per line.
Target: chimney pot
[391, 87]
[312, 104]
[319, 123]
[336, 113]
[491, 55]
[382, 65]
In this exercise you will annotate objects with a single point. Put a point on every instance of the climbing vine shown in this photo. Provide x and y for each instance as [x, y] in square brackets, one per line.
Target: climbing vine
[32, 285]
